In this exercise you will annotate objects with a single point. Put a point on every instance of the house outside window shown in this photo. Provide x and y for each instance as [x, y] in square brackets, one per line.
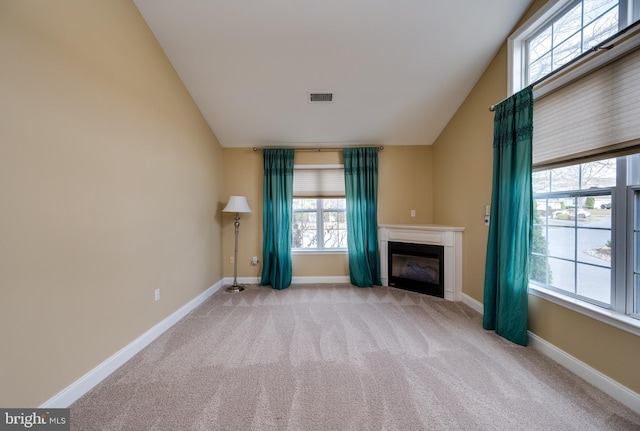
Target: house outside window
[586, 154]
[319, 222]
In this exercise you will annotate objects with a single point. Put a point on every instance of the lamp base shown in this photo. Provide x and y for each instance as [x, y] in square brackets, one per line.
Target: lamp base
[235, 289]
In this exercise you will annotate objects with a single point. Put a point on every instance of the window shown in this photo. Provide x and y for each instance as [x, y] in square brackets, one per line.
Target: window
[319, 221]
[560, 32]
[319, 224]
[586, 145]
[572, 230]
[580, 26]
[582, 247]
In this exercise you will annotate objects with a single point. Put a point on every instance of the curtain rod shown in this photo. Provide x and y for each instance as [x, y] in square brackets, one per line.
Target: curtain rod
[319, 149]
[606, 45]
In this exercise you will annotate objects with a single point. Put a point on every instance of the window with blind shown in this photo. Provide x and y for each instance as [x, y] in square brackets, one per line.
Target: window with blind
[319, 208]
[586, 159]
[590, 116]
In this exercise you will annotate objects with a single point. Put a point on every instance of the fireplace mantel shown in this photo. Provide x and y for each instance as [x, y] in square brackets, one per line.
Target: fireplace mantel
[447, 236]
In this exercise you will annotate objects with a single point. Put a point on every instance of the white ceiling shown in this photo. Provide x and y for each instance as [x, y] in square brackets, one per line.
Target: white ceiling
[398, 69]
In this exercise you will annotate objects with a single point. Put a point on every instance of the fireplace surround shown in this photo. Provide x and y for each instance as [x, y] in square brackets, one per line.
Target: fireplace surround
[447, 238]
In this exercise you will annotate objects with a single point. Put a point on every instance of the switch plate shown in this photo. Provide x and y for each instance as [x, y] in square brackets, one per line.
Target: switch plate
[230, 259]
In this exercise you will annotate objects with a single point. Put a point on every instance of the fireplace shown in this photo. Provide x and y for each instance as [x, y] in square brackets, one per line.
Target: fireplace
[416, 267]
[447, 237]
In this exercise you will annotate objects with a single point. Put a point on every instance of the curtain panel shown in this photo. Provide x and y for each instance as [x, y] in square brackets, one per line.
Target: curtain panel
[361, 188]
[509, 242]
[276, 219]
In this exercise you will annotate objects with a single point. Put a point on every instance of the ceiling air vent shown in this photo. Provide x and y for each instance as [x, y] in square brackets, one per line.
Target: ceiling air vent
[320, 97]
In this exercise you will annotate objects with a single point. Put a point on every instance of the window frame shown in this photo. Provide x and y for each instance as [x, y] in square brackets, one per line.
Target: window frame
[517, 55]
[567, 6]
[319, 211]
[620, 312]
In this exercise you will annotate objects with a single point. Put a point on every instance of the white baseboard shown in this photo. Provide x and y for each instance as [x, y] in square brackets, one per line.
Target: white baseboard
[87, 382]
[228, 281]
[332, 279]
[607, 385]
[476, 305]
[80, 387]
[294, 280]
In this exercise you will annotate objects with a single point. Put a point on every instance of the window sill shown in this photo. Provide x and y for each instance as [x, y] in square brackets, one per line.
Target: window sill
[610, 317]
[300, 252]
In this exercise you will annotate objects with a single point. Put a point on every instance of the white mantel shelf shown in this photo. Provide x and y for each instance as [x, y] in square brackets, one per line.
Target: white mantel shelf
[449, 237]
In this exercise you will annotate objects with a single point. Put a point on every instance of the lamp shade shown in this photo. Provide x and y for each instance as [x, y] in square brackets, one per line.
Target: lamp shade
[237, 204]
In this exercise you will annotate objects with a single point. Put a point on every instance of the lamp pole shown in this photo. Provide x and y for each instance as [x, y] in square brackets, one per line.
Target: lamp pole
[236, 204]
[234, 287]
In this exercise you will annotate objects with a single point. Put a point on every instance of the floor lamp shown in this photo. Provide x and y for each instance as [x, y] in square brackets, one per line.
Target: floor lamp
[236, 204]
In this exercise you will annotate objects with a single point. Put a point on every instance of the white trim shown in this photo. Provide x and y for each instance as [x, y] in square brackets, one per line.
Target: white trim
[294, 280]
[228, 281]
[607, 385]
[471, 302]
[310, 251]
[514, 43]
[331, 279]
[610, 317]
[87, 382]
[329, 166]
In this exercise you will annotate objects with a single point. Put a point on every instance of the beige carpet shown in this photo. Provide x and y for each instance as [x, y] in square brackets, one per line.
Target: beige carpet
[337, 357]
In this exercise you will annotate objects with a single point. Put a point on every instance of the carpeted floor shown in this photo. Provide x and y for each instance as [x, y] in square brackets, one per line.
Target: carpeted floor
[337, 357]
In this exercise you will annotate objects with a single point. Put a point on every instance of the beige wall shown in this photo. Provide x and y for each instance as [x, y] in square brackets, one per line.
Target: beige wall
[110, 183]
[462, 160]
[404, 183]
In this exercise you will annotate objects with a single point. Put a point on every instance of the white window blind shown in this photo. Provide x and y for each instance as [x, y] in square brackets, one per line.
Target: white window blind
[318, 182]
[595, 116]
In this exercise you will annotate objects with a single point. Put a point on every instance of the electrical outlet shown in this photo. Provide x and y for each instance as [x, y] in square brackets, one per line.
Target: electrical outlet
[157, 294]
[230, 259]
[254, 260]
[413, 213]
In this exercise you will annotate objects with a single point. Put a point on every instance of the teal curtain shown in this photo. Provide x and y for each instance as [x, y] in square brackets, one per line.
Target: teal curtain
[361, 188]
[276, 218]
[509, 243]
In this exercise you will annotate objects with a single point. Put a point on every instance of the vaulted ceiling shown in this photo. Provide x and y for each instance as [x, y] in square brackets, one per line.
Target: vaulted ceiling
[398, 69]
